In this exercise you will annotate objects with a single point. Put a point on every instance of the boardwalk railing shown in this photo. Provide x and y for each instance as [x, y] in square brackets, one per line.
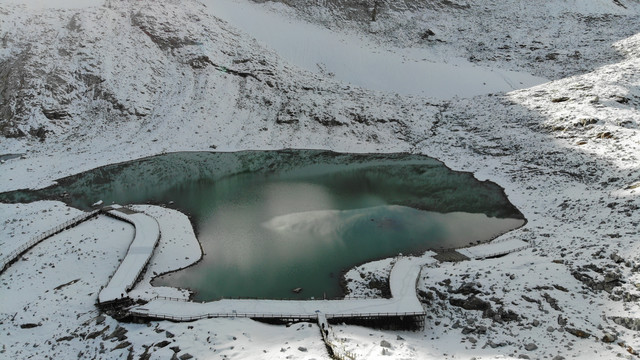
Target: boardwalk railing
[160, 297]
[10, 257]
[336, 345]
[131, 280]
[531, 243]
[140, 313]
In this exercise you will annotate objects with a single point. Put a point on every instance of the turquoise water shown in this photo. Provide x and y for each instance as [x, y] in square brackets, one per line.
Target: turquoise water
[273, 221]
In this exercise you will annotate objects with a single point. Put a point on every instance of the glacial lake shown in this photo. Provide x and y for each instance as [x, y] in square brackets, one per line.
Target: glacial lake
[272, 221]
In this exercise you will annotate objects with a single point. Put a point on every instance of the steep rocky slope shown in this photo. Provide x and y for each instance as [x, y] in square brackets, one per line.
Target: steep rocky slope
[164, 65]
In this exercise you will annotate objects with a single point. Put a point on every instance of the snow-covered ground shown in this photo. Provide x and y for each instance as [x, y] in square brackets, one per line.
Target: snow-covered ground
[135, 78]
[55, 4]
[352, 58]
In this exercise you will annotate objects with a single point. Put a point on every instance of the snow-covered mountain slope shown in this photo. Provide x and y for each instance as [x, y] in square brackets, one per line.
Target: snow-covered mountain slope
[552, 39]
[136, 78]
[150, 76]
[361, 61]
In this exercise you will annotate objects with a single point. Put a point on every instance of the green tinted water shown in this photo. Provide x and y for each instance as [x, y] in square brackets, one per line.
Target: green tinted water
[272, 221]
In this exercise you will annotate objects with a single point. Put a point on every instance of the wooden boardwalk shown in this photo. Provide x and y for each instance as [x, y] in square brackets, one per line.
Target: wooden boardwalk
[403, 279]
[147, 234]
[9, 258]
[403, 303]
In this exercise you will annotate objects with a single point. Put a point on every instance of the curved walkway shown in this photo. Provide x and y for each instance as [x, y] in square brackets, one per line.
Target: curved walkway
[404, 302]
[147, 234]
[7, 259]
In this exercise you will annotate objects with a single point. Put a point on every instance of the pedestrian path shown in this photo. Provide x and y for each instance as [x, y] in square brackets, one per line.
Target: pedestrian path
[404, 302]
[147, 234]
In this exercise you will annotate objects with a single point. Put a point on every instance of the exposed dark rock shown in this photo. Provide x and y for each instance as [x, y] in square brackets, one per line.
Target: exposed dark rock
[552, 302]
[467, 289]
[327, 120]
[604, 135]
[29, 325]
[609, 338]
[10, 132]
[427, 34]
[40, 133]
[425, 296]
[286, 120]
[560, 99]
[552, 56]
[55, 114]
[160, 33]
[471, 303]
[501, 315]
[531, 300]
[611, 280]
[118, 333]
[628, 322]
[562, 321]
[203, 61]
[561, 288]
[616, 258]
[530, 347]
[162, 343]
[95, 334]
[577, 332]
[121, 345]
[146, 355]
[622, 99]
[467, 330]
[495, 345]
[381, 286]
[439, 294]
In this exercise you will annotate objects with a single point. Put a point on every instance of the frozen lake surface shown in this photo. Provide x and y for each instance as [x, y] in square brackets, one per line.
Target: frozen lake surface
[355, 60]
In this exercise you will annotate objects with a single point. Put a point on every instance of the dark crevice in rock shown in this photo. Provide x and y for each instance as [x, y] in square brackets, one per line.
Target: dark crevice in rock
[203, 61]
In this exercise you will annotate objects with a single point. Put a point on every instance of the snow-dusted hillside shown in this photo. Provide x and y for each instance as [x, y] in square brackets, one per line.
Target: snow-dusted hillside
[552, 39]
[84, 87]
[136, 72]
